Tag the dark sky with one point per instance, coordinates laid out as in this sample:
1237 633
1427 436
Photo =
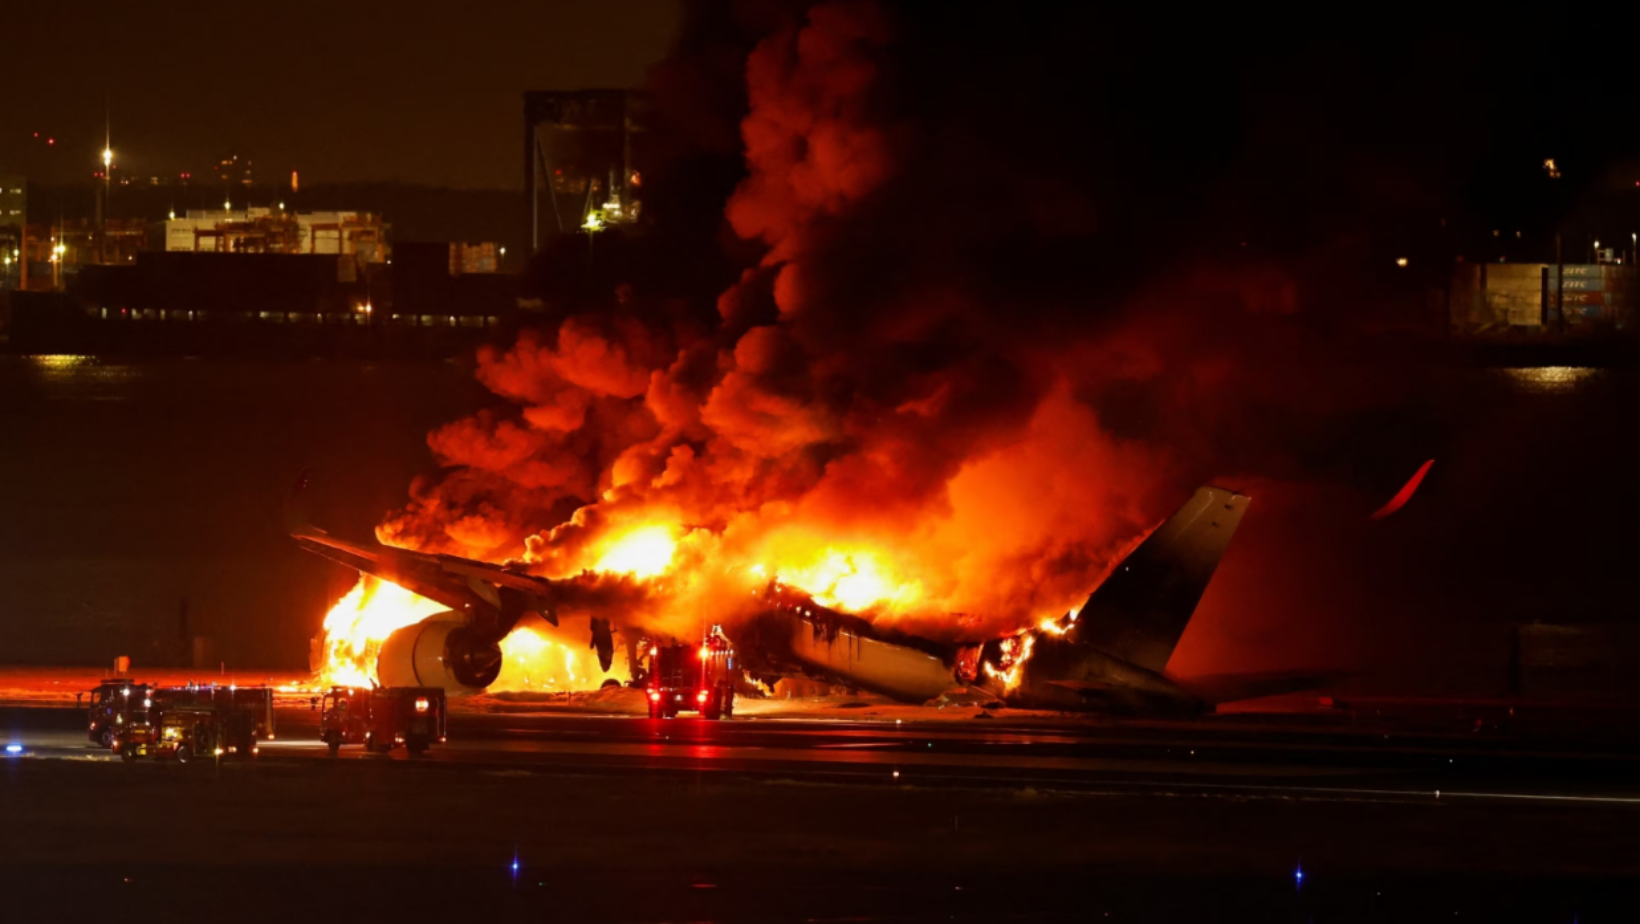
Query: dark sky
424 91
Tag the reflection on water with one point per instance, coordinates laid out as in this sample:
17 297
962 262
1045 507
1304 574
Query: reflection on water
1550 380
69 377
60 362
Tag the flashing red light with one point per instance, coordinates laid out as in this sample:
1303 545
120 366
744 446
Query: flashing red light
1405 494
701 696
51 141
421 705
654 694
704 652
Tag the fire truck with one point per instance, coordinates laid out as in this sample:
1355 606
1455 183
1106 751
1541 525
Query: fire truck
383 718
192 731
114 705
684 678
199 720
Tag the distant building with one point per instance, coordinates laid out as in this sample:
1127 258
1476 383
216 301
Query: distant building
13 216
466 259
234 169
359 234
13 201
583 159
1531 302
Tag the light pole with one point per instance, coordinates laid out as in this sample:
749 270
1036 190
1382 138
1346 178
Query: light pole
107 211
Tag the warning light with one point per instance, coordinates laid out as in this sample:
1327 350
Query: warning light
655 694
654 651
704 652
421 705
14 749
700 697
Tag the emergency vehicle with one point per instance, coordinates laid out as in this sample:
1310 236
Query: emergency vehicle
684 678
187 730
115 704
383 718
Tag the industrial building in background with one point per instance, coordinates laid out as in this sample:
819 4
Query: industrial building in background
584 156
13 215
1543 302
263 230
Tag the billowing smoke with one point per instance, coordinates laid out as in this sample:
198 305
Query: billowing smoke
948 390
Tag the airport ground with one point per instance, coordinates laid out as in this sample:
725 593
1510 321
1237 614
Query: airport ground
821 816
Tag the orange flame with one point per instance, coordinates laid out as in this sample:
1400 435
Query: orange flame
1015 652
360 622
534 658
644 552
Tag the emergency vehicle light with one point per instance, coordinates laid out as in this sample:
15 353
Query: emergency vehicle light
701 696
421 705
14 749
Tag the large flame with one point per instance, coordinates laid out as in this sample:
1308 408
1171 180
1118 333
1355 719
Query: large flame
853 581
535 658
644 552
360 622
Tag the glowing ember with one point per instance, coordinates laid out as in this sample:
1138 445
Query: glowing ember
1015 652
643 553
358 624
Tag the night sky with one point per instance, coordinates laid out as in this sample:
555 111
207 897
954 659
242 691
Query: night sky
421 91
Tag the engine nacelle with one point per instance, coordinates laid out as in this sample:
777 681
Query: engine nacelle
440 651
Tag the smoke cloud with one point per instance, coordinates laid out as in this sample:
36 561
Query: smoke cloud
946 382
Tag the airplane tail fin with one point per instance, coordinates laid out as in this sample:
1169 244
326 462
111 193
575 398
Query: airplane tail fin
1142 608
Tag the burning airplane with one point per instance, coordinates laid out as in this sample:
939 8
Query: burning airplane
445 621
894 453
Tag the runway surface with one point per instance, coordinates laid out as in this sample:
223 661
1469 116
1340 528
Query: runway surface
627 819
1234 758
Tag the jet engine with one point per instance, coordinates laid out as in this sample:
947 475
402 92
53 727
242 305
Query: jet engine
443 650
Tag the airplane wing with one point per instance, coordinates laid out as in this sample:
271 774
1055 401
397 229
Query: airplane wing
493 594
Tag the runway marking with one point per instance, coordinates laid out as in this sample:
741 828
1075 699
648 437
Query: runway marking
1433 795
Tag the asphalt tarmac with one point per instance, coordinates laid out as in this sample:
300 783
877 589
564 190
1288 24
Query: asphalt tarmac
1230 756
628 819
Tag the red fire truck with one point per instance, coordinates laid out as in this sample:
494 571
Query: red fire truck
383 718
115 704
684 678
198 721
